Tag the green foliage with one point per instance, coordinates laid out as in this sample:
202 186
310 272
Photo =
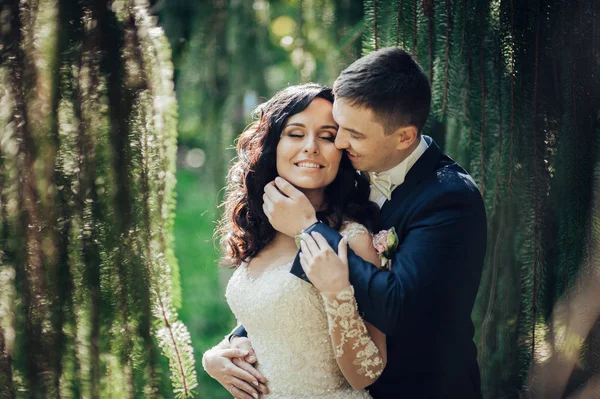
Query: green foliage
204 309
88 145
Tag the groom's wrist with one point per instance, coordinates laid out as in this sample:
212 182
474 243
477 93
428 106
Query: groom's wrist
310 226
298 237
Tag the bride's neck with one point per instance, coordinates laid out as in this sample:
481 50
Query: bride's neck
316 198
281 239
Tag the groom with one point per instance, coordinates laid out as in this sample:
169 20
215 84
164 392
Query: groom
424 302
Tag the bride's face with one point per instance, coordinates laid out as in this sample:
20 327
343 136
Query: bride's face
306 153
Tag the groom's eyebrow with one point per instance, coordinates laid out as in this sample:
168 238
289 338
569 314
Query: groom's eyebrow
352 130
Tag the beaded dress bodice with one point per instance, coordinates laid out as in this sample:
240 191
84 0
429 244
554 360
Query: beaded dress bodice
287 325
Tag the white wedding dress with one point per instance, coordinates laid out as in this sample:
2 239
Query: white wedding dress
287 324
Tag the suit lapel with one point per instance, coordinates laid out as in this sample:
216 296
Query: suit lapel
421 169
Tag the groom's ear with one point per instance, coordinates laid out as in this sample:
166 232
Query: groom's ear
407 136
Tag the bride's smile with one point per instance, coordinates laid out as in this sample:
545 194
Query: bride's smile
306 153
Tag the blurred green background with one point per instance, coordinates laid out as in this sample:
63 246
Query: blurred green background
204 309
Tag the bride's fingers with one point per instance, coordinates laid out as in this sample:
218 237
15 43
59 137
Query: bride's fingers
343 250
305 251
241 393
320 240
311 243
304 263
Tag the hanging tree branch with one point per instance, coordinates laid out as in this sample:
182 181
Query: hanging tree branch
375 25
482 77
447 55
427 6
535 181
399 22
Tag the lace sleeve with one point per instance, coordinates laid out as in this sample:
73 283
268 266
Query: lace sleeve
352 229
357 354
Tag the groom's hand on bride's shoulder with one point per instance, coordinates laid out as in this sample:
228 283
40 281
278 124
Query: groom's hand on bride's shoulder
287 208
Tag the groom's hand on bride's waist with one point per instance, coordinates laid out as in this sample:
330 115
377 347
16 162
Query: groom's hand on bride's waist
243 343
287 208
248 363
228 363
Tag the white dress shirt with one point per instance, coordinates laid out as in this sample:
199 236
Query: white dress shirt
397 174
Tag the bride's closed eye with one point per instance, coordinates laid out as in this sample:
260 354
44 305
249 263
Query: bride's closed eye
328 133
298 134
328 136
295 133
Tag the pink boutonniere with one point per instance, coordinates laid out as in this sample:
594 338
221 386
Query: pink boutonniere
385 243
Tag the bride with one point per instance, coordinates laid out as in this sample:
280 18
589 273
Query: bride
309 344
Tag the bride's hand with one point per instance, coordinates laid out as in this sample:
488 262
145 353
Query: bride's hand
325 269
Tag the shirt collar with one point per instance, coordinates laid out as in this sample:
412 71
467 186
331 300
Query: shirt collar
398 173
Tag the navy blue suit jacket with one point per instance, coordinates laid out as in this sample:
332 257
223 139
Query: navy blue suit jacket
424 303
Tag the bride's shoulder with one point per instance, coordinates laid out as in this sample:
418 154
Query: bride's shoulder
351 229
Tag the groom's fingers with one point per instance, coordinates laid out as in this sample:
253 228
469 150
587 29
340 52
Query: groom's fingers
243 380
267 208
266 199
250 369
243 343
274 193
287 189
242 390
234 352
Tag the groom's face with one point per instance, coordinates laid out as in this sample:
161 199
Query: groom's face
364 138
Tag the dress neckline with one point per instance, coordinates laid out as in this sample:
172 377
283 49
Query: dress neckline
244 265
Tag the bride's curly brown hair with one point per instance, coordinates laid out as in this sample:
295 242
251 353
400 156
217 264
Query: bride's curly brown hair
244 229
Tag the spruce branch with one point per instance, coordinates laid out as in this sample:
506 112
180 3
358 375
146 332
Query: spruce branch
535 183
427 6
399 23
23 78
464 26
156 167
512 98
483 90
375 38
7 274
416 18
447 56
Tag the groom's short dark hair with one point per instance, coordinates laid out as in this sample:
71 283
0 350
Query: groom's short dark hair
391 84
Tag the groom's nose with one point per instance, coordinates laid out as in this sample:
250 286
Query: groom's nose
341 142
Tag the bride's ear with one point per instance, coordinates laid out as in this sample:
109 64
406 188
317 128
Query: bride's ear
406 137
